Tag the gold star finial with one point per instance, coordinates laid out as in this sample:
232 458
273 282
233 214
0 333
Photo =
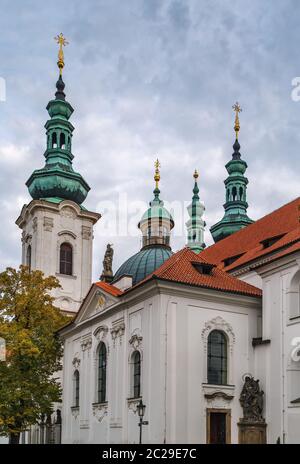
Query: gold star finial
157 173
196 175
236 107
61 40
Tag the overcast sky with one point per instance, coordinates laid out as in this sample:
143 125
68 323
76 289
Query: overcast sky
151 78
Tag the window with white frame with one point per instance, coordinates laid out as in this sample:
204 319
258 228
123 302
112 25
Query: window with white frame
76 381
102 365
217 358
136 374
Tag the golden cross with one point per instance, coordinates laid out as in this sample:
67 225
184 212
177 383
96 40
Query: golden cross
236 107
157 174
61 40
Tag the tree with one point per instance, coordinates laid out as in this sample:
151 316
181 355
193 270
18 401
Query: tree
28 324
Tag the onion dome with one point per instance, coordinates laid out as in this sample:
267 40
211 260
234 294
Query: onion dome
57 180
235 217
155 225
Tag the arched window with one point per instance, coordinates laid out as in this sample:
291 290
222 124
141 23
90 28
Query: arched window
136 371
293 293
241 193
66 259
28 257
102 362
62 141
234 194
217 358
76 389
227 194
54 140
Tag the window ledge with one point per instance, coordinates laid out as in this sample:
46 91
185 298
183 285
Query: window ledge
75 411
67 276
212 391
259 341
296 402
133 403
97 405
100 410
293 320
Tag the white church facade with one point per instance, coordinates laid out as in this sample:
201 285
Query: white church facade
207 339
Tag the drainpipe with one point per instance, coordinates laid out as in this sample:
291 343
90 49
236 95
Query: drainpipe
283 365
166 369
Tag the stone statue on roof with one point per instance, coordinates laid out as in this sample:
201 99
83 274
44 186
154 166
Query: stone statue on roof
107 273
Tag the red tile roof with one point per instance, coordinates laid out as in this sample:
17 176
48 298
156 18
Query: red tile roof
181 268
247 242
109 288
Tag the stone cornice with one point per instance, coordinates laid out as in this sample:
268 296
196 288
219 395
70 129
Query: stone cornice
157 287
55 208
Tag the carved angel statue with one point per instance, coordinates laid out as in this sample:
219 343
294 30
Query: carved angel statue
251 400
107 273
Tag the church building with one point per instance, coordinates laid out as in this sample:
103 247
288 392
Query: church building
200 345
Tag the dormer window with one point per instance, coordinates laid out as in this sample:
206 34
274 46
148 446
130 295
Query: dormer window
204 268
231 259
268 242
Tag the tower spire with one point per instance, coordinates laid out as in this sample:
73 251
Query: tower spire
57 180
235 217
236 107
62 42
195 225
156 191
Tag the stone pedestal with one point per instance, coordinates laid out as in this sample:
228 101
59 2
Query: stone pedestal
252 433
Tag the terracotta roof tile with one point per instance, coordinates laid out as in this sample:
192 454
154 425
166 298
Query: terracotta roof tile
282 223
181 268
109 288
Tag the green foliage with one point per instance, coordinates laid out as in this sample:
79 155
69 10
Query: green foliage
28 322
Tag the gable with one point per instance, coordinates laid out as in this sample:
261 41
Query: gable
96 301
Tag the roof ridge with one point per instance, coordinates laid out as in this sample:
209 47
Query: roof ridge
254 224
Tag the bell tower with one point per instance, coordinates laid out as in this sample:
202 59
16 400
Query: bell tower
57 231
235 217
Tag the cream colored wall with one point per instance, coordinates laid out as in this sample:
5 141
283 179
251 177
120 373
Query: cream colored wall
172 331
45 229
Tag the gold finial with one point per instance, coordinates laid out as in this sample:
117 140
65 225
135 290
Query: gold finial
196 174
61 40
236 107
157 173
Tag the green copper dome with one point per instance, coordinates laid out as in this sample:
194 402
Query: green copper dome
155 225
157 211
57 179
235 216
143 263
